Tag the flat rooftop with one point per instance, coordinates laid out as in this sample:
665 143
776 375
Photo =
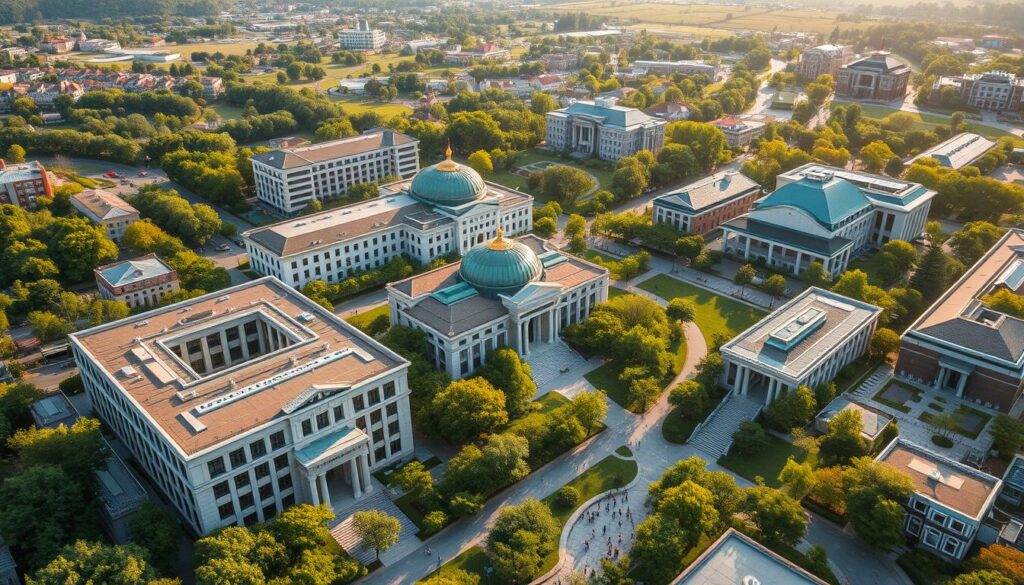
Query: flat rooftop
959 319
943 480
289 158
878 188
806 329
736 559
198 410
959 151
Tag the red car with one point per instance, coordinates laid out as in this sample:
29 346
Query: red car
110 175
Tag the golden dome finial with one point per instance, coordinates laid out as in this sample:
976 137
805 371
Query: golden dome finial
448 151
499 242
448 165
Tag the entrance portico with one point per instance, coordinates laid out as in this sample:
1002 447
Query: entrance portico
952 375
345 451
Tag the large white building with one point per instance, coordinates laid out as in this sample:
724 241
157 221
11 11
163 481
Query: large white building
287 179
361 38
241 403
445 208
828 215
603 129
805 342
504 292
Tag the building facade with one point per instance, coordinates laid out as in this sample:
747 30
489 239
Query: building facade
823 59
740 131
106 209
241 403
828 215
288 179
446 208
962 346
876 77
603 129
503 293
361 38
703 205
998 91
681 67
950 499
139 282
805 342
22 183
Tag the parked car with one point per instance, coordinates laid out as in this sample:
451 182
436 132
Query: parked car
110 175
223 248
240 243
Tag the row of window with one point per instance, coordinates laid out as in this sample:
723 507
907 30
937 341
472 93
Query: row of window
257 449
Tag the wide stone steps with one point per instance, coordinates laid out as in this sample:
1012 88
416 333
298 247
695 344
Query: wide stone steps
872 384
715 437
346 536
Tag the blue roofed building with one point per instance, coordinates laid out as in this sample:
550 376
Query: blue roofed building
505 292
827 215
737 559
142 281
603 129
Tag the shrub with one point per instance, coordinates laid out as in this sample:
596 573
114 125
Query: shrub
750 439
567 496
941 441
434 521
73 385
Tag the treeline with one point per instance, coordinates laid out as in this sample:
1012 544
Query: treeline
15 11
148 102
308 108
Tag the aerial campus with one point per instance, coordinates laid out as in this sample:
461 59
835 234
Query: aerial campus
479 293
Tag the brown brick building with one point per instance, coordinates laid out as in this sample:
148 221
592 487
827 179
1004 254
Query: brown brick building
961 346
22 183
703 205
877 77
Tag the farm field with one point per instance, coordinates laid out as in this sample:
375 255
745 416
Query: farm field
708 16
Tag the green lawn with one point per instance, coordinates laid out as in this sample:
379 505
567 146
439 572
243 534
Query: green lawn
766 464
227 111
608 261
359 104
898 406
614 291
929 121
963 411
606 376
610 473
715 314
677 429
364 319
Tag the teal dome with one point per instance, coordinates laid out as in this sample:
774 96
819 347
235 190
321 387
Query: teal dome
500 266
828 199
448 183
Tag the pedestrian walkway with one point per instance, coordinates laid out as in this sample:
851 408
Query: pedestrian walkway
715 436
606 529
344 533
880 377
556 365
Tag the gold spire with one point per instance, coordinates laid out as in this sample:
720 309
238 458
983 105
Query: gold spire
499 242
447 165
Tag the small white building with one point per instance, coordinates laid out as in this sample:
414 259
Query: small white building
959 151
503 293
287 179
950 500
737 559
105 208
142 281
805 342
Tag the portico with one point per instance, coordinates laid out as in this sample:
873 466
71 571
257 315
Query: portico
952 375
345 452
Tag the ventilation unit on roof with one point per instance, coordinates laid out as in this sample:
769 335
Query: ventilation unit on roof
935 475
306 317
223 298
142 323
300 224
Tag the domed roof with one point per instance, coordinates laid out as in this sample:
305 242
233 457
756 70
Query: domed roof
500 266
448 183
828 199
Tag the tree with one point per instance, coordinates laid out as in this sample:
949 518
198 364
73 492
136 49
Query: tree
42 510
690 399
85 563
414 479
377 529
507 372
48 327
541 103
565 183
1005 560
77 247
797 478
749 439
643 392
630 178
680 309
575 226
794 409
156 530
80 450
466 408
545 227
480 161
659 549
237 555
896 258
313 206
302 528
933 276
875 155
690 246
884 343
452 577
1007 435
501 461
828 489
815 275
843 441
521 537
589 408
744 276
874 495
15 154
981 577
778 518
774 285
974 240
692 507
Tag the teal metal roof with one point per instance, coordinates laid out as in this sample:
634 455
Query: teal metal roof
500 266
828 201
551 258
448 183
454 293
615 115
339 439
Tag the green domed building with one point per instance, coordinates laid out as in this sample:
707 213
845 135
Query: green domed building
448 183
500 266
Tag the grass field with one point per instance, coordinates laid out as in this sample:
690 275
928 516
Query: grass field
715 314
767 464
606 376
360 104
929 121
696 18
364 319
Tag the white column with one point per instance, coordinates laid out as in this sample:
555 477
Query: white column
799 259
551 326
224 348
367 484
526 338
961 385
746 250
357 490
323 488
314 496
206 353
746 380
771 252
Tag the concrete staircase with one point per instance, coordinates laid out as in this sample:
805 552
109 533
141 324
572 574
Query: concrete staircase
346 536
547 360
872 384
715 436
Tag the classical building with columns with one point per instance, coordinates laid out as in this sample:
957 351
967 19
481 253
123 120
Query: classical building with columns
241 403
514 293
446 208
603 129
802 343
828 215
964 347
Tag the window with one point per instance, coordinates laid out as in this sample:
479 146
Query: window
284 482
930 537
323 420
957 526
914 525
396 446
378 435
358 403
375 417
374 396
216 467
262 470
920 506
380 454
251 519
339 413
269 512
307 427
938 517
281 462
391 409
237 458
277 440
257 449
226 510
288 501
951 546
221 489
241 480
267 491
246 500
